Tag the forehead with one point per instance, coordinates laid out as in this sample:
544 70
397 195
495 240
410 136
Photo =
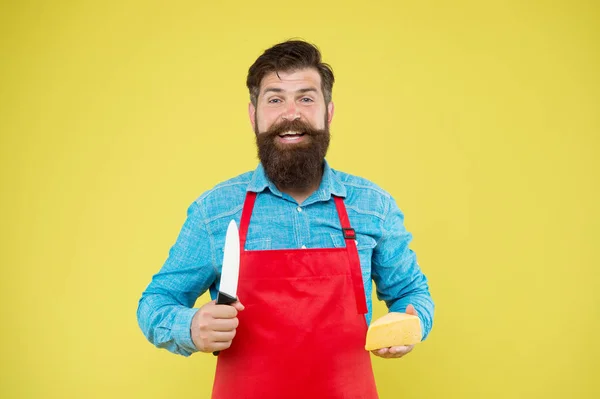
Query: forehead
292 80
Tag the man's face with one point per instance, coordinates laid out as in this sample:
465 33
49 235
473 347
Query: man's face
291 122
295 95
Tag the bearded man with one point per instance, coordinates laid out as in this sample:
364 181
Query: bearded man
312 241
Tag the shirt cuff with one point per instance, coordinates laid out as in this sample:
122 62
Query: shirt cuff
180 329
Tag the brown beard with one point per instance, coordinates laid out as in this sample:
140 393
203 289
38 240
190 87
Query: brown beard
293 166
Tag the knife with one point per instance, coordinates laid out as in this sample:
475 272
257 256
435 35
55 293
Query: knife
231 268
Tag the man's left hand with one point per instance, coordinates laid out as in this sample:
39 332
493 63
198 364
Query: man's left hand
396 351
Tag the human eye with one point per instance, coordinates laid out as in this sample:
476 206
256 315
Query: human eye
274 100
306 100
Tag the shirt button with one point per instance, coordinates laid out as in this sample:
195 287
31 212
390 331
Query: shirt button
299 209
304 247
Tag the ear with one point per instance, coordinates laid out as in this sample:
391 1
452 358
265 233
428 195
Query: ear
330 109
251 114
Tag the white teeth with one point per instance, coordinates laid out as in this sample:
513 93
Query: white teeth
289 133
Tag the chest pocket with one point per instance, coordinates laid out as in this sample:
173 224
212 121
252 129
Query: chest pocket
259 244
363 242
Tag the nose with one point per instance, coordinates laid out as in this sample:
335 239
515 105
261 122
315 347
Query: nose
291 112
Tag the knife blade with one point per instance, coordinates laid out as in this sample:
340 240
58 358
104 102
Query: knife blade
231 268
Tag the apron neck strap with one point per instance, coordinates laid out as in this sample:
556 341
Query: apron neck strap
352 251
349 233
246 214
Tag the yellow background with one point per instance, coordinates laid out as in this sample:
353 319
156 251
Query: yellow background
481 118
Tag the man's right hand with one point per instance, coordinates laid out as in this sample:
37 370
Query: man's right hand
213 326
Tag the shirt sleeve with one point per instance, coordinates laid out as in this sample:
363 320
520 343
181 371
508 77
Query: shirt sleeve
396 273
165 310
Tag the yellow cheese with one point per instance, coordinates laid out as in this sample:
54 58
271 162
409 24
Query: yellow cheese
393 329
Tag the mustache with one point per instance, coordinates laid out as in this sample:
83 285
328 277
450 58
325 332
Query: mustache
292 126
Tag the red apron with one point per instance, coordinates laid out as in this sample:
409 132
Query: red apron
302 333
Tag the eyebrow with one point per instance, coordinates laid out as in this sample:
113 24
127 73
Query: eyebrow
278 90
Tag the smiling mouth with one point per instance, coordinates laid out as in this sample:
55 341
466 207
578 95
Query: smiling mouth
291 136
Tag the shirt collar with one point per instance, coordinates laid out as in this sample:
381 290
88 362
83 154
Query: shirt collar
330 184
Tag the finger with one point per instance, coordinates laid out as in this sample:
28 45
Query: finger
238 305
392 352
380 352
223 336
410 309
398 349
219 346
224 324
224 312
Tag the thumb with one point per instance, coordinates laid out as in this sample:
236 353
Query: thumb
410 309
238 305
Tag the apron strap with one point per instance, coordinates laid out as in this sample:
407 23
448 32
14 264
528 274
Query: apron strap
246 214
354 260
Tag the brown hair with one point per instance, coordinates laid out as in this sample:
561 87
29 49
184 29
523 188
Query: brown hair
289 56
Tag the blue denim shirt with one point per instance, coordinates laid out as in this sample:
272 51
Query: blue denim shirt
194 263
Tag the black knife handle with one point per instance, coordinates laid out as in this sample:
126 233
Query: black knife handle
224 299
